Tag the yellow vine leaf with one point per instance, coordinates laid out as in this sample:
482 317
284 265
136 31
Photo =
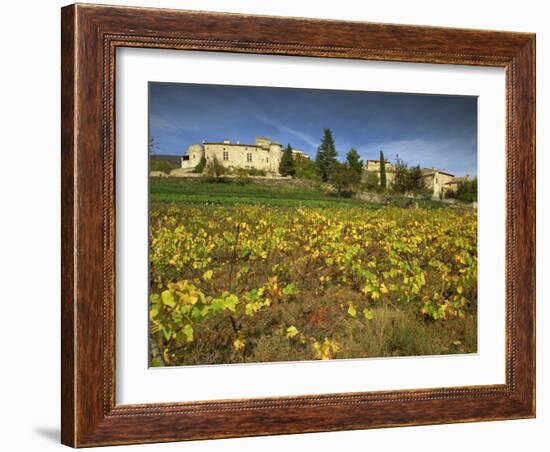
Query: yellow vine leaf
239 344
368 314
168 298
188 331
291 331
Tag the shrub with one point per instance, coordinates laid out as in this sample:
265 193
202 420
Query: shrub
215 169
371 182
344 178
450 194
160 165
467 190
200 166
256 172
306 169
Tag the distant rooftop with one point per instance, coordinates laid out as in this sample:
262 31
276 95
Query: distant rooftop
428 171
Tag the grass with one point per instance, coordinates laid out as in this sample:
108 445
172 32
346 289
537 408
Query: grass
284 193
392 332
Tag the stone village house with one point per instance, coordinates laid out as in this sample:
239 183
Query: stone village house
437 181
264 155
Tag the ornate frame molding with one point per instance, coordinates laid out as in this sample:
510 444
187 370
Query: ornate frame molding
90 37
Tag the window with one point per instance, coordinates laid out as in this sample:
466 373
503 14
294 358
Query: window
225 155
249 157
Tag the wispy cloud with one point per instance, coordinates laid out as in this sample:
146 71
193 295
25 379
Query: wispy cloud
306 138
172 125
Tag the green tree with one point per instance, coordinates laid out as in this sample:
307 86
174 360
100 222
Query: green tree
343 177
326 154
354 160
416 180
383 181
287 166
467 190
401 179
201 165
306 168
408 179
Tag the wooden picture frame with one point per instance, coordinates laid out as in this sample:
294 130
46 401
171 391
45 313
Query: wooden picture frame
90 36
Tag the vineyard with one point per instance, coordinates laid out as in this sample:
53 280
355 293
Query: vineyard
234 283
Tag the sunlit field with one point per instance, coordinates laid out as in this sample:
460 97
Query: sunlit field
259 274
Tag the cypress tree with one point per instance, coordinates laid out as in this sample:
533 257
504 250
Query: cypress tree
326 154
382 172
287 165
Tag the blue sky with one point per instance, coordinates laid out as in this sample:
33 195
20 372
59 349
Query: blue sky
428 130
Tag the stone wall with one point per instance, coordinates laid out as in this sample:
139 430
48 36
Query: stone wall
263 156
194 154
184 172
374 165
158 174
435 182
390 176
239 156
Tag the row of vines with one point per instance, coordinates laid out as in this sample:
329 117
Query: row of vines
250 283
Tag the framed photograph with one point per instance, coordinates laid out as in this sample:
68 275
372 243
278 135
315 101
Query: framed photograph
281 225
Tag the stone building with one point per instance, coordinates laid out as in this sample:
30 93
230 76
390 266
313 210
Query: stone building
437 181
453 184
373 166
298 153
264 155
